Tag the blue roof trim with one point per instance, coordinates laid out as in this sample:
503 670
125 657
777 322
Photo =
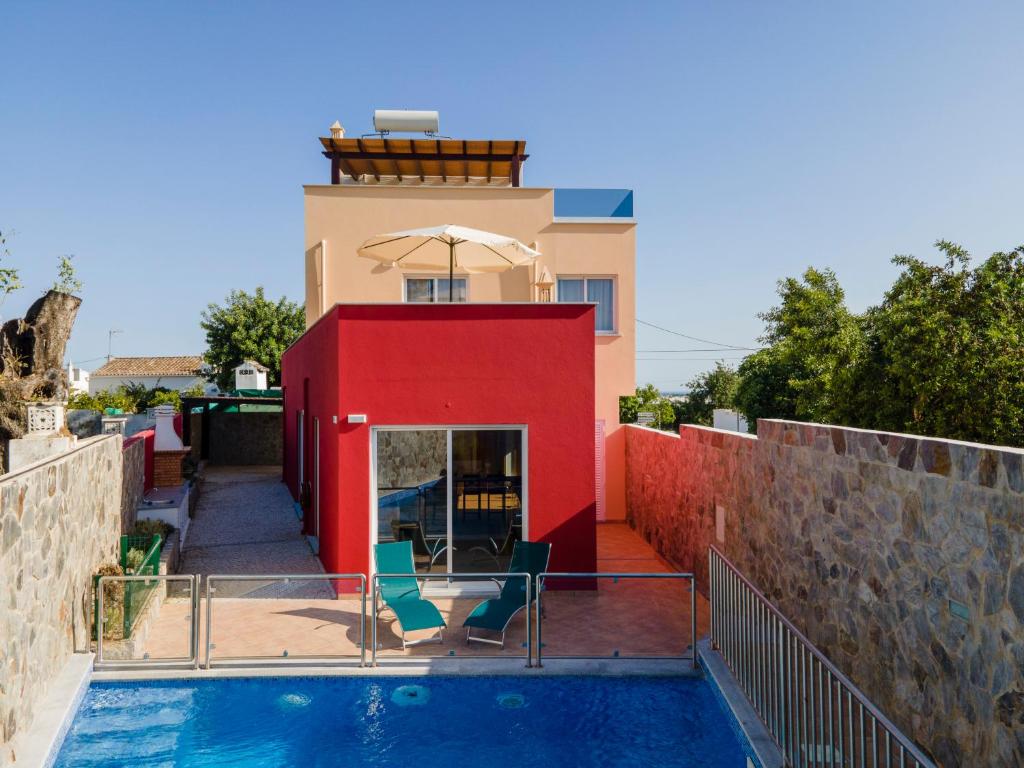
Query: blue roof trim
594 203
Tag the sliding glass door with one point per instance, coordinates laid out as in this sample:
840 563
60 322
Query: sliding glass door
457 493
487 507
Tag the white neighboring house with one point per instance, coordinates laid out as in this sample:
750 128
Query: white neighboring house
78 379
251 375
179 373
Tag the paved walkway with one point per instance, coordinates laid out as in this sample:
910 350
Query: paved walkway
245 523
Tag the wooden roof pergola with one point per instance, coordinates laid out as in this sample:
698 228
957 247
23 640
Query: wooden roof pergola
426 161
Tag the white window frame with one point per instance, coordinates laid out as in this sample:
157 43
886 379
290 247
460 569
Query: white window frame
615 297
437 295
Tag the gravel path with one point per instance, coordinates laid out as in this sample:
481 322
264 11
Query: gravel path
245 523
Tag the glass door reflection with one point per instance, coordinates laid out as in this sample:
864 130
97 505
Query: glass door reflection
487 513
412 494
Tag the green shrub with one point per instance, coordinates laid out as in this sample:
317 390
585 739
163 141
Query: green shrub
83 401
149 527
132 398
134 560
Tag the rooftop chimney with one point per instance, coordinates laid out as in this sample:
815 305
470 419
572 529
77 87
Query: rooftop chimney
337 131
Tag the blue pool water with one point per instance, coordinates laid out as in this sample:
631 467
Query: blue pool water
411 722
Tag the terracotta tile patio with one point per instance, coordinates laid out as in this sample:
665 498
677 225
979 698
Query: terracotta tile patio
628 618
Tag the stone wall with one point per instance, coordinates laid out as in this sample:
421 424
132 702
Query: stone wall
246 438
133 481
875 545
407 458
60 520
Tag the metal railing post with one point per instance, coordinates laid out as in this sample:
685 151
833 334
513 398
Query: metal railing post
101 619
693 620
362 620
529 629
209 620
540 619
373 625
196 603
712 596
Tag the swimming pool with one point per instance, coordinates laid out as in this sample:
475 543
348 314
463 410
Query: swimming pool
412 722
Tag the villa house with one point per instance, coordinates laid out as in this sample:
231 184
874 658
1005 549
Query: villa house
408 416
180 373
445 425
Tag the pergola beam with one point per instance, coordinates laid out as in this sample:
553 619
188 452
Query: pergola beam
394 161
362 152
371 156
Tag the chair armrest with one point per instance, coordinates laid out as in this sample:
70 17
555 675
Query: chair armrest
437 554
432 543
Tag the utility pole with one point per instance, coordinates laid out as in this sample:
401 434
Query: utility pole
110 341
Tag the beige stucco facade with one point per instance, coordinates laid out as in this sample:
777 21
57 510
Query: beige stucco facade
339 218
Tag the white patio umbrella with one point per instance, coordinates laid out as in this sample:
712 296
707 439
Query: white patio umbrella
469 250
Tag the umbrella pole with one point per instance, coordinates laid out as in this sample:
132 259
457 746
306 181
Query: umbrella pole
451 270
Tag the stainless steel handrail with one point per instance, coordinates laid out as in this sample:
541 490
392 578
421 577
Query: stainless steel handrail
681 576
192 660
285 577
496 577
803 698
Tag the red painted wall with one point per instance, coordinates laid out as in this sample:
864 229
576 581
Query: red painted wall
441 364
309 378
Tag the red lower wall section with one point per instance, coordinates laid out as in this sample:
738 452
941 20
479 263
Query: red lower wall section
446 365
149 436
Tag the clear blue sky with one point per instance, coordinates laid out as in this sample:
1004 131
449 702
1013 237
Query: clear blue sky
165 144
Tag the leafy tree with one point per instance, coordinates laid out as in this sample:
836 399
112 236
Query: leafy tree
950 348
67 281
818 340
9 279
250 327
764 391
709 390
647 398
814 346
943 354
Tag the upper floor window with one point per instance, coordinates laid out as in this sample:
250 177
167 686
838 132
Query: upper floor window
431 290
597 289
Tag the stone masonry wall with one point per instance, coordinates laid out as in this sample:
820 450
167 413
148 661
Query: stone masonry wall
60 520
132 482
872 544
246 439
407 458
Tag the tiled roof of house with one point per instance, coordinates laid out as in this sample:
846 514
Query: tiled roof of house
188 365
252 364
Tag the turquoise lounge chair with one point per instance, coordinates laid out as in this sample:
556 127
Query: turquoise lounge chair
496 613
401 594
